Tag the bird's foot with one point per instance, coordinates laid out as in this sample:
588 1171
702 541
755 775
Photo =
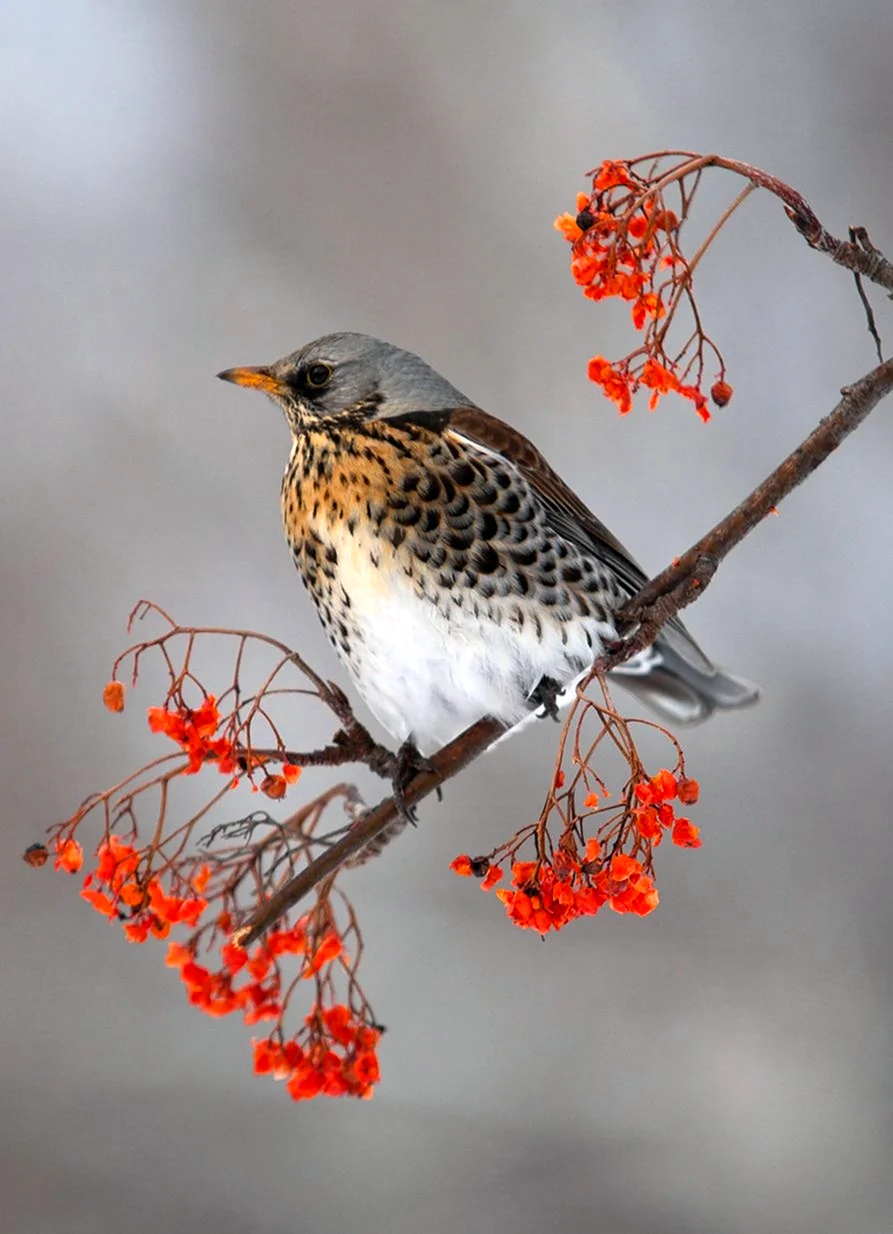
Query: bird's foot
546 695
408 763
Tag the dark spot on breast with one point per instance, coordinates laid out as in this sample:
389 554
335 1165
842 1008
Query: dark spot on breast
408 517
458 539
430 520
488 526
462 472
429 487
410 482
523 556
485 559
375 513
571 574
458 506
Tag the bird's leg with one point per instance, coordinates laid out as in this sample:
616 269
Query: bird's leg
546 695
408 763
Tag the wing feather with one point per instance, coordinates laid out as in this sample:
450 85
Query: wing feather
568 516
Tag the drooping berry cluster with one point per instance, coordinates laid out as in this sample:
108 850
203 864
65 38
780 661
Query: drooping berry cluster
625 243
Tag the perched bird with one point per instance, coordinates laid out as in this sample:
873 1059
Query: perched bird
455 573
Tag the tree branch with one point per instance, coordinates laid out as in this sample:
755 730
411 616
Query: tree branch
854 254
447 762
685 579
657 603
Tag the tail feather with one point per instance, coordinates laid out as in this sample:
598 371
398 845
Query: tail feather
679 690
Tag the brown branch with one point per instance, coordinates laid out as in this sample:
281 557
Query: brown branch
852 254
657 603
351 744
858 235
446 763
869 262
683 581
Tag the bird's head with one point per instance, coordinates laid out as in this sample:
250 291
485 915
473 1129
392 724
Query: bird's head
349 377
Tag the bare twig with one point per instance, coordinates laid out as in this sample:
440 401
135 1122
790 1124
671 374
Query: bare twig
446 762
867 261
683 581
858 235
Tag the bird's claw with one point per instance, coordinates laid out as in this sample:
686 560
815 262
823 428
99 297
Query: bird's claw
546 695
408 763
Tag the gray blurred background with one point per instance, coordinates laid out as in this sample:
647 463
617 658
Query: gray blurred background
188 186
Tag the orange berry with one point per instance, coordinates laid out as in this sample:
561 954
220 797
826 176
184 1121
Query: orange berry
721 393
491 878
689 791
113 696
36 855
686 834
274 787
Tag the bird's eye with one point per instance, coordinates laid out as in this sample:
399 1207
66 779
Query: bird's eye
318 375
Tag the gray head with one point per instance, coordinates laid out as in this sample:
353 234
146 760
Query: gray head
352 376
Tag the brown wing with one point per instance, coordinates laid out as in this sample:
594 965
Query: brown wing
566 513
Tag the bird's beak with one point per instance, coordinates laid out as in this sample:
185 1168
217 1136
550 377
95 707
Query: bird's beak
254 378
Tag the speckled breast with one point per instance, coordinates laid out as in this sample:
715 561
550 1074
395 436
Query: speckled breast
391 501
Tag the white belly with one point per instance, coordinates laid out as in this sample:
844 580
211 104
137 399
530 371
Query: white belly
429 677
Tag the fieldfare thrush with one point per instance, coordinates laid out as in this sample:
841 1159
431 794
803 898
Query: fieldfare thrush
455 573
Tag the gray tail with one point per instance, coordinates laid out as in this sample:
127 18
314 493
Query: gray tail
677 681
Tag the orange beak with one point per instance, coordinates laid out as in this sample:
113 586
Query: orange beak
254 378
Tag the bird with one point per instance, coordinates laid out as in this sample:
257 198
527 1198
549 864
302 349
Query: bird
455 573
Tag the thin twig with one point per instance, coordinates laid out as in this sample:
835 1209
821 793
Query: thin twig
446 763
683 581
858 235
871 263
